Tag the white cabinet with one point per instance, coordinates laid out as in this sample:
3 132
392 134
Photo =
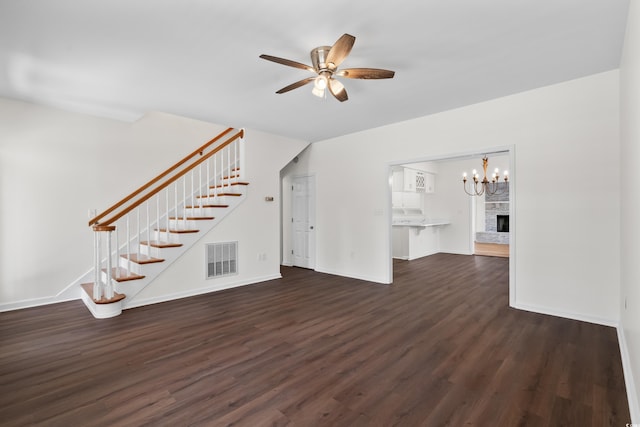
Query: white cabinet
413 181
429 183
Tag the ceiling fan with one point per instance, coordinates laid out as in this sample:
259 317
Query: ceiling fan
325 61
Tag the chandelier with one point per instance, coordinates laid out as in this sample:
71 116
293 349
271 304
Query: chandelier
485 186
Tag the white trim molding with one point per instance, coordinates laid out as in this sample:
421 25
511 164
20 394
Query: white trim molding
632 393
567 315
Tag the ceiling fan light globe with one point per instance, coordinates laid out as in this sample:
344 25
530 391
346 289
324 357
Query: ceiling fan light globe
320 83
318 92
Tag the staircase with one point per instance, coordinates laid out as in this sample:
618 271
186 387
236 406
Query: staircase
141 235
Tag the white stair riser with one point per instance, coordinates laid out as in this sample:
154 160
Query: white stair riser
215 200
214 212
181 224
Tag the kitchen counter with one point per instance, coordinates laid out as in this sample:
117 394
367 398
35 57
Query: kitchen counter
419 223
415 238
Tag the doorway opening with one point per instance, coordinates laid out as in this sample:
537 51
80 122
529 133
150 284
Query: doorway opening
446 219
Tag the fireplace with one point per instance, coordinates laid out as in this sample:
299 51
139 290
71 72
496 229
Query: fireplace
502 223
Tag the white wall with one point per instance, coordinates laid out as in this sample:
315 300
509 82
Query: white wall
559 133
630 211
56 165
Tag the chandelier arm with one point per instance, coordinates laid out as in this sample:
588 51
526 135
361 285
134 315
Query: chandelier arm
478 190
464 185
491 189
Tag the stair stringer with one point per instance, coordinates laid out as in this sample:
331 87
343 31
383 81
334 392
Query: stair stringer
169 255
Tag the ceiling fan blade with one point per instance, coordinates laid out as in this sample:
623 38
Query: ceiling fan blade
288 62
340 49
366 73
296 85
337 89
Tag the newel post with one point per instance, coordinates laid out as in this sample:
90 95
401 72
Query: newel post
102 289
241 175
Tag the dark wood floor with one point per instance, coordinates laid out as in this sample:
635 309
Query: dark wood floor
438 347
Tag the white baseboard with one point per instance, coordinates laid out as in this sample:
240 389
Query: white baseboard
358 277
35 302
632 393
567 315
194 292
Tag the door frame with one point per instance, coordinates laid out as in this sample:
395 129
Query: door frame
508 150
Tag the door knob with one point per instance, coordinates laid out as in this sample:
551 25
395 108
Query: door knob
311 228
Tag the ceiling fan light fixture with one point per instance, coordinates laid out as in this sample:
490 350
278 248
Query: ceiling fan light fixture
320 82
318 92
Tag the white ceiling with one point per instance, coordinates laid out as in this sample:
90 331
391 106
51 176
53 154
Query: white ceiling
199 58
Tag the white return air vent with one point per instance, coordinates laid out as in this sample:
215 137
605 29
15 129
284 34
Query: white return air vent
222 259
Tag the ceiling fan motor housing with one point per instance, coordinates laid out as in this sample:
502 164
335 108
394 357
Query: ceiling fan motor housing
319 59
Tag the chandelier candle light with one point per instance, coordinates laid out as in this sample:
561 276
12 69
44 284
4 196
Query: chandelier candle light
485 186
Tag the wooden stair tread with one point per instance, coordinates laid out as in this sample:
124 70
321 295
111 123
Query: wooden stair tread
142 258
207 206
192 218
160 244
176 231
218 195
226 185
125 274
88 288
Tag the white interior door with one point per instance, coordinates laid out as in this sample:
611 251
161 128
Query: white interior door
303 221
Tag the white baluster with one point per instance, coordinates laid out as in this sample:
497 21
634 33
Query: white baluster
108 290
128 249
148 229
215 176
192 193
138 231
242 165
166 203
175 203
229 168
208 183
158 216
184 194
199 186
117 254
97 280
235 160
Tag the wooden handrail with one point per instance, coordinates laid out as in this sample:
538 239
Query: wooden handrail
152 192
158 178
